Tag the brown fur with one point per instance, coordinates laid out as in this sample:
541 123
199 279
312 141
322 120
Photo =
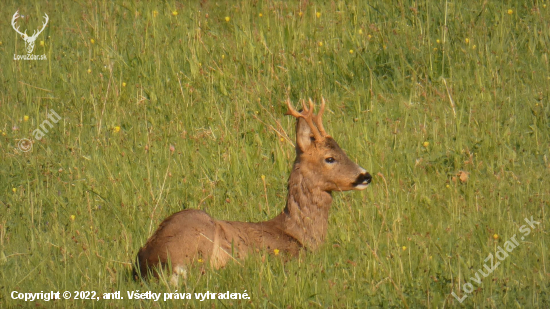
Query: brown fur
190 235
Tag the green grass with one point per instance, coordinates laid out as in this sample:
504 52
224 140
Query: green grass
419 94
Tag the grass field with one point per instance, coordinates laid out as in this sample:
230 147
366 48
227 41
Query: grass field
170 106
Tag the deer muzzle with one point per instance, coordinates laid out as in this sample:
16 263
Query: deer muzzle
362 180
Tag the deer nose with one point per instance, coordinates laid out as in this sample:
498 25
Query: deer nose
362 180
366 178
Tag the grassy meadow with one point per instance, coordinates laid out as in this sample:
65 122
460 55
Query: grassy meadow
167 106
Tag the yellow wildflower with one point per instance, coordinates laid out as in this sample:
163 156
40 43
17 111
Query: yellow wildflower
117 129
227 18
510 12
25 118
276 251
174 13
318 14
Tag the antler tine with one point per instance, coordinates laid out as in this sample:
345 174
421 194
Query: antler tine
34 35
13 19
306 109
307 115
15 16
318 118
46 22
311 105
291 111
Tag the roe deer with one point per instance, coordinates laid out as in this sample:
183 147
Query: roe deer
321 167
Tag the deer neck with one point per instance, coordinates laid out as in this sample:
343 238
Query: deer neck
305 216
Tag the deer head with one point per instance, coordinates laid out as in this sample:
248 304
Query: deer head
320 158
29 40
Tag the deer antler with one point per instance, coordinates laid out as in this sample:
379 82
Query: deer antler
317 128
318 118
16 16
34 34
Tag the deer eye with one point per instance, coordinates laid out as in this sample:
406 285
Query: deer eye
330 160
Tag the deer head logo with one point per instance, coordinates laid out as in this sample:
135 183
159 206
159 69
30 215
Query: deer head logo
29 40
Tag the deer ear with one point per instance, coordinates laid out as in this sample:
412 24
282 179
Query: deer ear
303 135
